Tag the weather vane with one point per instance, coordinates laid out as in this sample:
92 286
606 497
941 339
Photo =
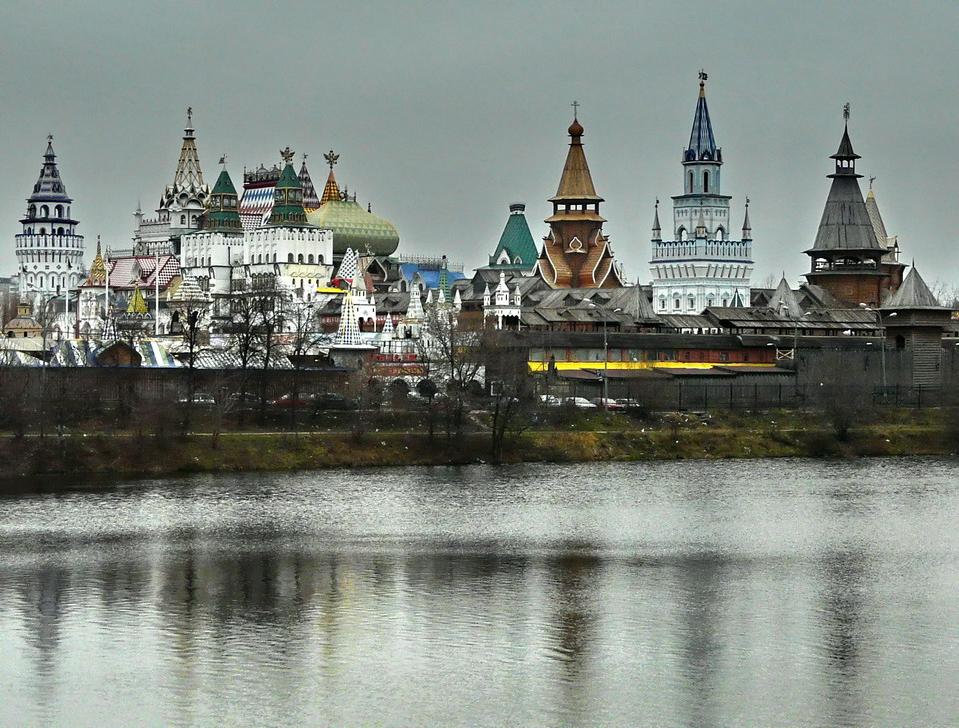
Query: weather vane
189 116
223 160
575 106
702 74
287 154
331 158
871 180
845 111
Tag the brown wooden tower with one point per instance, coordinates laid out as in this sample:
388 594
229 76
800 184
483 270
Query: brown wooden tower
576 254
847 259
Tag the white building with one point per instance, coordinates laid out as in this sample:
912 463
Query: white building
49 250
701 266
181 205
287 253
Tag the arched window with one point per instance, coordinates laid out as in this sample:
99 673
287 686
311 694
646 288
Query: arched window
676 303
299 258
692 302
289 258
681 233
310 258
319 259
690 190
43 231
662 303
193 220
40 282
706 182
44 211
183 219
709 301
60 231
32 211
720 233
59 210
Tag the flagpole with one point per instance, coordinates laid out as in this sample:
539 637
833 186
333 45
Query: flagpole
156 296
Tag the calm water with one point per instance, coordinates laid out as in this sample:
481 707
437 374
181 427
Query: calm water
775 593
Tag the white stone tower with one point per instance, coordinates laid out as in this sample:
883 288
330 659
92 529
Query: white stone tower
701 266
49 250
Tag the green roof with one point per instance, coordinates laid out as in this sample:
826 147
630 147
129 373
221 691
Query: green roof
224 185
289 178
516 241
354 227
223 214
288 199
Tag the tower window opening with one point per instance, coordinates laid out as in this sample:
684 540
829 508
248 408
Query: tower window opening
183 219
690 190
706 182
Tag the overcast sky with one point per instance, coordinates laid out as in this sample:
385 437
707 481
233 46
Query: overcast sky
444 113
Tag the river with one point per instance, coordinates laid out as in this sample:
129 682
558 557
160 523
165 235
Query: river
694 593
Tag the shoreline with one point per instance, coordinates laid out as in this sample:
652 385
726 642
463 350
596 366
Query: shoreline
127 456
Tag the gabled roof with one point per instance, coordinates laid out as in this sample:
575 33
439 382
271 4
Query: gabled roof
913 293
576 183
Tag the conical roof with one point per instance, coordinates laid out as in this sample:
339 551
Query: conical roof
747 226
657 230
188 175
137 303
913 293
878 226
310 200
785 301
516 246
331 191
576 183
98 271
224 184
222 209
49 186
348 332
288 197
845 223
845 151
702 144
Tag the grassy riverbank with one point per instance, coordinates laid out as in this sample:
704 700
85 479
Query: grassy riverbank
598 437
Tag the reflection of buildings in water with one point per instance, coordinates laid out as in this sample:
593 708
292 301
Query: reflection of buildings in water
844 576
701 581
574 575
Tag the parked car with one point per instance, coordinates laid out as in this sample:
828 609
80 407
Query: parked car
244 401
333 401
200 399
287 401
580 402
550 401
608 404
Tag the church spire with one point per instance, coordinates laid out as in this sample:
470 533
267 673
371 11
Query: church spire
188 174
288 195
747 227
331 191
222 213
576 183
702 143
657 230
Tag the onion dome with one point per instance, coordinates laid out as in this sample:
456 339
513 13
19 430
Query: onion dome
356 228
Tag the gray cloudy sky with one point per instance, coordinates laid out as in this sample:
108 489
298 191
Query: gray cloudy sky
446 112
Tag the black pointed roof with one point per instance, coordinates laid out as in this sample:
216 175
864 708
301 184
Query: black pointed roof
702 143
49 186
845 224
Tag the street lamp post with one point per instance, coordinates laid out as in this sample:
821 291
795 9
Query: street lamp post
882 335
605 312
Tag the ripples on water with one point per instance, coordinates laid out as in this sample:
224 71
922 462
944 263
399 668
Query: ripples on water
786 592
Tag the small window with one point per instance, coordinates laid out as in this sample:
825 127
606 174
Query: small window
289 258
183 219
706 182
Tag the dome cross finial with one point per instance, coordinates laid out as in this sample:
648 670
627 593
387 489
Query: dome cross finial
575 106
845 111
331 158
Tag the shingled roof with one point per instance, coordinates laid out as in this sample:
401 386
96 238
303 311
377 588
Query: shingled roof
913 293
576 183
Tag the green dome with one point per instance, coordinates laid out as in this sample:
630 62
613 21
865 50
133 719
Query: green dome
354 227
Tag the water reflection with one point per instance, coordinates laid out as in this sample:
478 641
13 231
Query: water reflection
416 598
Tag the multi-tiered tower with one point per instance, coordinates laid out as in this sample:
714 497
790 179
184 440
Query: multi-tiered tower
181 205
701 266
49 251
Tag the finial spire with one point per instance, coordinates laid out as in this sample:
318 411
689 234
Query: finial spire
189 117
331 158
223 161
575 106
871 180
287 154
845 111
